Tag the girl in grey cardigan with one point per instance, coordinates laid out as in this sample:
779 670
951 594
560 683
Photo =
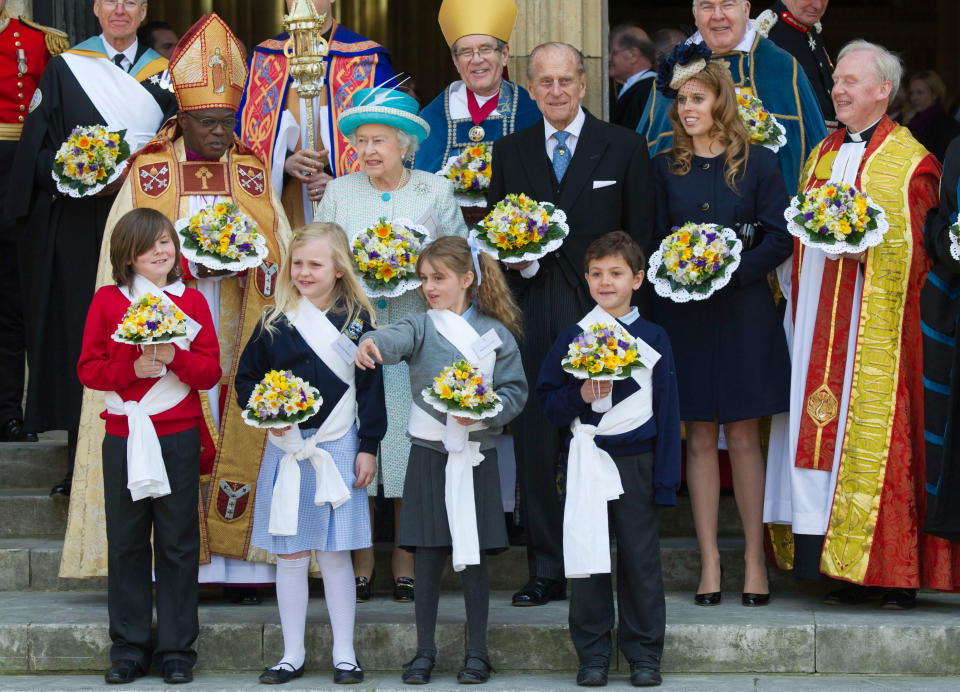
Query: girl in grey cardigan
470 306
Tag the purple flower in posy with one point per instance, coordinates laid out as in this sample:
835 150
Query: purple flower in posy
374 254
152 325
808 216
711 237
233 238
393 262
823 230
699 263
245 247
852 192
837 203
623 344
480 390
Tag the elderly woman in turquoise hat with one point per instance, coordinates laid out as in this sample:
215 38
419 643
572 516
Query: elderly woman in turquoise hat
385 129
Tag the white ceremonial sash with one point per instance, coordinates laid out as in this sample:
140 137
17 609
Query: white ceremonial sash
146 472
320 334
462 454
123 102
592 476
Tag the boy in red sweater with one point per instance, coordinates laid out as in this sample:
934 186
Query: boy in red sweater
151 449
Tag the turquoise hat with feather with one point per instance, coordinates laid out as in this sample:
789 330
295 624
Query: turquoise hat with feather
384 106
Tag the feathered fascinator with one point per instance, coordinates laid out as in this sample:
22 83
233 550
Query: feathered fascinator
686 60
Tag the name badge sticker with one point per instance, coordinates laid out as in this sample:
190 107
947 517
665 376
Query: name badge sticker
487 343
345 348
647 354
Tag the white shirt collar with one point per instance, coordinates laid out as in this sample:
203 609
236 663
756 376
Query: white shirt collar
631 316
633 79
130 53
573 128
746 43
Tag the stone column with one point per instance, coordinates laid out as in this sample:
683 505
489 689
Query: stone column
581 23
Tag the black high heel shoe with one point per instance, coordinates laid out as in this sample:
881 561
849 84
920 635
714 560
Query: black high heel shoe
754 599
712 598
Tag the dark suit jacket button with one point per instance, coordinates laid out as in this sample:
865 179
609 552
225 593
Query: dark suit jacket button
705 166
705 206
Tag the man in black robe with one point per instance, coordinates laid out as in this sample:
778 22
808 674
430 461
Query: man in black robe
109 80
794 25
631 64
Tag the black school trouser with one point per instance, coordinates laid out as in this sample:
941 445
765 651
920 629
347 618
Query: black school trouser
550 304
639 579
176 554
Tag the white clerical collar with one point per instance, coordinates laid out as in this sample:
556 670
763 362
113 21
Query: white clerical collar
631 316
130 53
573 128
460 92
858 136
633 79
746 43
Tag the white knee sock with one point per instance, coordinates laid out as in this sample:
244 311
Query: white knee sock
340 592
292 596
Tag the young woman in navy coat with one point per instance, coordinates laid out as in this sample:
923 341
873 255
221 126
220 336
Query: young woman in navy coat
731 354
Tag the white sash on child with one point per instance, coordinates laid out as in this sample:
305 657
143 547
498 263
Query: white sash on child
146 473
462 454
320 334
592 476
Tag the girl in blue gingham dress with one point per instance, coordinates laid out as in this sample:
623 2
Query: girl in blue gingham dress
312 331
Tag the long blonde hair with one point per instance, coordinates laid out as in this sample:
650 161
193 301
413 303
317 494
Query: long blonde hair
493 295
728 129
349 296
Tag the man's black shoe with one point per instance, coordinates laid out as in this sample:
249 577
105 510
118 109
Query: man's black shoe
62 488
643 675
851 594
122 672
899 599
12 431
177 671
593 674
539 591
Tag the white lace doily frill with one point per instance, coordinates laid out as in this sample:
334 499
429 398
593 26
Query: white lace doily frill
683 295
234 265
65 189
440 405
870 238
955 241
781 138
557 216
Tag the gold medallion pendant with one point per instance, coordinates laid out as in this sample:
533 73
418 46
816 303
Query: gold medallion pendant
476 133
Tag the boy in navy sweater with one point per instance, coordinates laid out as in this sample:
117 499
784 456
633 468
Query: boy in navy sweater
639 441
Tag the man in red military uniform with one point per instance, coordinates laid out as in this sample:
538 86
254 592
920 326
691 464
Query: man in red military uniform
25 50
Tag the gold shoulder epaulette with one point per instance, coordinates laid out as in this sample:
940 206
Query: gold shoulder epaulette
57 41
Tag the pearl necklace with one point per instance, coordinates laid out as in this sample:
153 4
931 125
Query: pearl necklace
404 176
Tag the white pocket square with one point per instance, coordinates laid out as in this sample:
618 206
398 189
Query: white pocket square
597 184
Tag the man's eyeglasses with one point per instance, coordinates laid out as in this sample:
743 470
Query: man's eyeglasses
482 51
210 124
128 5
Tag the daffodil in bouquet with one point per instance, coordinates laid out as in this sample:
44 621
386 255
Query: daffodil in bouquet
281 399
462 389
520 229
221 237
837 219
605 351
386 256
694 261
470 171
760 123
151 320
90 159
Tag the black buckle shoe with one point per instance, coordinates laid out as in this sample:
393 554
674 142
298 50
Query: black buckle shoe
12 431
177 672
122 672
419 669
347 676
403 589
594 674
475 670
642 674
364 587
899 599
540 591
281 673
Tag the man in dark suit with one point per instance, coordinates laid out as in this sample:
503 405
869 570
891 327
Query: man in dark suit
631 63
600 175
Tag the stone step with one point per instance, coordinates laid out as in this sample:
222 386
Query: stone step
320 681
32 512
32 564
32 464
797 634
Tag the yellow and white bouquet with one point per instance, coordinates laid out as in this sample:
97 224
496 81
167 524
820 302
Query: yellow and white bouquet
151 320
520 229
604 352
837 219
222 238
470 172
760 123
386 257
281 399
90 159
694 261
463 390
